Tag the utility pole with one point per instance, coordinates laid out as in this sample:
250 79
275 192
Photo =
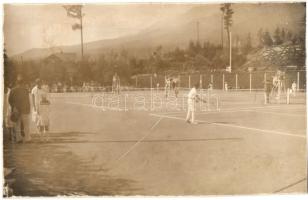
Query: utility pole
198 32
222 32
230 52
81 32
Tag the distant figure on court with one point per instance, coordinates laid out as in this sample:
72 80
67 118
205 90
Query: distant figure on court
167 87
267 91
193 97
175 88
276 86
210 87
19 101
116 84
226 86
293 88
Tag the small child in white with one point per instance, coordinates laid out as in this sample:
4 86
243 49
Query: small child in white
43 117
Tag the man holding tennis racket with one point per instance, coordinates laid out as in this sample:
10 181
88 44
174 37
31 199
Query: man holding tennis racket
193 97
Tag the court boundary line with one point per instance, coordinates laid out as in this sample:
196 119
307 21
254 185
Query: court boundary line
243 110
263 131
140 140
222 111
284 114
290 185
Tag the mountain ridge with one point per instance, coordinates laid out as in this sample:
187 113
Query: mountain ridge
178 31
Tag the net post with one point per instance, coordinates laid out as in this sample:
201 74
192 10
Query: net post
200 81
151 81
288 96
223 81
297 88
208 99
250 82
236 81
265 88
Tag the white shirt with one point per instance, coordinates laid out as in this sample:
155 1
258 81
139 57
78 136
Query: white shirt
37 93
192 94
293 85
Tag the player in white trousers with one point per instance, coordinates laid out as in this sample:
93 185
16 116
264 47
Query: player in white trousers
191 101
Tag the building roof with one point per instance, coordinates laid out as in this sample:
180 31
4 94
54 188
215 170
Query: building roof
65 57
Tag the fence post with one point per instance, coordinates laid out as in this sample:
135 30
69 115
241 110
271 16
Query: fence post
236 81
250 81
151 83
297 88
223 81
200 81
188 81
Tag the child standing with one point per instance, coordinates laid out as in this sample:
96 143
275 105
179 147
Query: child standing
43 117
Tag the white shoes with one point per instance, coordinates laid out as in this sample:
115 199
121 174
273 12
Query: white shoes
190 122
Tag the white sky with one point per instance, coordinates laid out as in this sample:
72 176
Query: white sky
40 26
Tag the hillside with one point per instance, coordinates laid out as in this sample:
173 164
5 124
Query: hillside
178 31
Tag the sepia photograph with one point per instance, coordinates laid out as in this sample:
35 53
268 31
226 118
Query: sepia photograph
154 99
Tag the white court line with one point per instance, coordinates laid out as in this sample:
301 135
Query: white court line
223 111
277 113
133 146
263 131
104 108
250 110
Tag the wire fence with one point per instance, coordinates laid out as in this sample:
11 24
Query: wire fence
219 80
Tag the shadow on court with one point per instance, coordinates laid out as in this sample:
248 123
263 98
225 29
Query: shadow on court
50 169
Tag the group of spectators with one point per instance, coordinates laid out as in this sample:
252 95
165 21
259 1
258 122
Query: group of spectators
19 103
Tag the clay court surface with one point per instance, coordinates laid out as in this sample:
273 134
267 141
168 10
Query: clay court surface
245 147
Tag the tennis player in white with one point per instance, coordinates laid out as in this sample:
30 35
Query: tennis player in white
193 97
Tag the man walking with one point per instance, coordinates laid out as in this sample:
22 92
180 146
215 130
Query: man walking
20 103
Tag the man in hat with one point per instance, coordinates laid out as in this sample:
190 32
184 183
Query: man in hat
19 101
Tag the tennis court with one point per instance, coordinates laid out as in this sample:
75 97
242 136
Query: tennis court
239 146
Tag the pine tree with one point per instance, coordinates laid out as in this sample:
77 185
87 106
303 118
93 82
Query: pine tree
260 38
268 41
283 35
277 37
228 20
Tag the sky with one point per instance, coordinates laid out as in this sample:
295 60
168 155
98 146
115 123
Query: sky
28 26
